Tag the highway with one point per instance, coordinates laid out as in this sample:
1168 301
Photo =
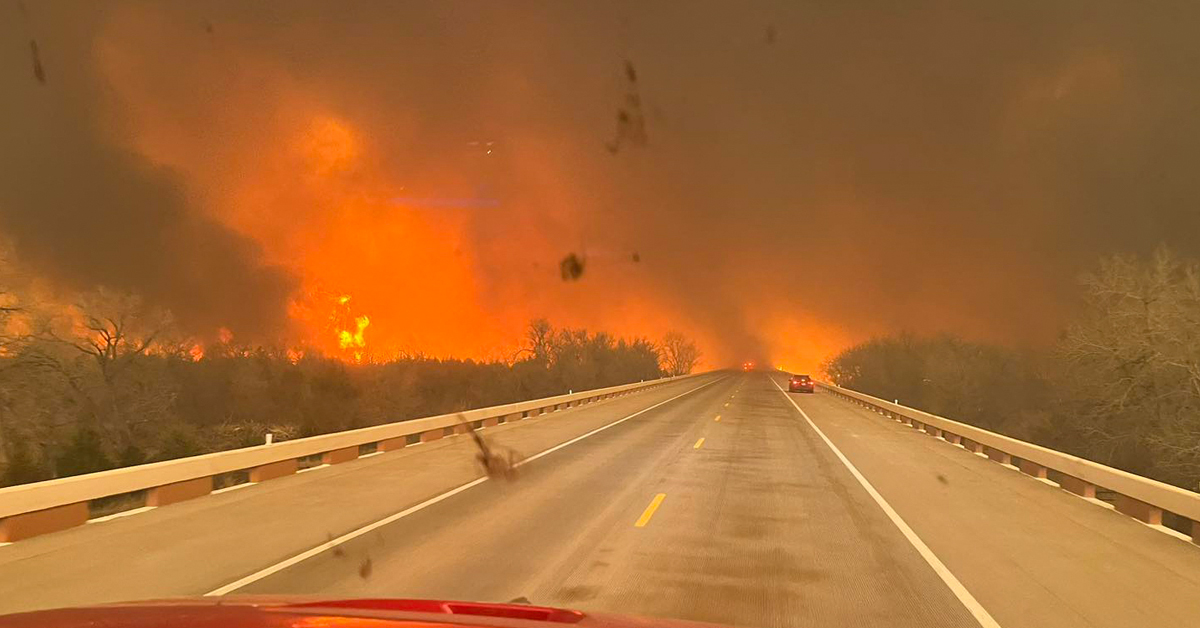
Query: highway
720 499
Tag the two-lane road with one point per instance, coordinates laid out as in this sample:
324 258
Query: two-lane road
757 525
720 498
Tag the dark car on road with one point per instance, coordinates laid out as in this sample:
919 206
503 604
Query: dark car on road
800 383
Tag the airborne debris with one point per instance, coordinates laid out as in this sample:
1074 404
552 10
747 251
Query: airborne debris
38 71
631 123
364 570
208 28
571 267
770 34
636 258
941 478
497 463
338 552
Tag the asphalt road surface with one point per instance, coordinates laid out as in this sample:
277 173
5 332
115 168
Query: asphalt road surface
790 510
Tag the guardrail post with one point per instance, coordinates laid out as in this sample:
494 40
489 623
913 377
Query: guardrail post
338 456
179 491
953 439
273 470
998 456
933 431
972 446
1030 468
392 444
430 435
491 421
1078 486
29 524
1139 510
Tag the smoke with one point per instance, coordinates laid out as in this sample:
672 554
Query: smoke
85 209
863 168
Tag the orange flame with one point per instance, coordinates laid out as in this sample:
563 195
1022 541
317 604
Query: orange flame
354 340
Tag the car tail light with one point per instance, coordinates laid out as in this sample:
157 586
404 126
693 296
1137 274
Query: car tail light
478 609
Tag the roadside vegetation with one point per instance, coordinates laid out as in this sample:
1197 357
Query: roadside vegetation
1121 386
117 386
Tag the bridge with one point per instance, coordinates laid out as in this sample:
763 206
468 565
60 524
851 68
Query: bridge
715 497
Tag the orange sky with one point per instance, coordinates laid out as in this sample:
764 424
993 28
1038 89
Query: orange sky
838 180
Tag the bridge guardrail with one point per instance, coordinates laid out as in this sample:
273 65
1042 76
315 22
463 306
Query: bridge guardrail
31 509
1139 497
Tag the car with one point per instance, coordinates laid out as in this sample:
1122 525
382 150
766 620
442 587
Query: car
800 383
748 366
296 612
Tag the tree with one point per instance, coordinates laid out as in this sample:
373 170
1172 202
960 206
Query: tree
1131 366
679 355
125 395
539 338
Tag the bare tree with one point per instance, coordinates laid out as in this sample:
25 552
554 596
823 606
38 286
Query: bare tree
1132 366
678 354
539 339
113 332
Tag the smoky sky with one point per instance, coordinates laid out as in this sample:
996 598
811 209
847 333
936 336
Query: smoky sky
84 209
861 166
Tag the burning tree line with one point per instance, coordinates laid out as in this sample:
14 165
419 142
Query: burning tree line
1121 386
118 385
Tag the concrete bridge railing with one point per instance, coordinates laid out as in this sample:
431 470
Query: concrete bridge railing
32 509
1136 496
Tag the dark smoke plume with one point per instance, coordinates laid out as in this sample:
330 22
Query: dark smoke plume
85 210
871 167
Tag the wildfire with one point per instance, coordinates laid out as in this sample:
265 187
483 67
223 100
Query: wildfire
354 340
349 328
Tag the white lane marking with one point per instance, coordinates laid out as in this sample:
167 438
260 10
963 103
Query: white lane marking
233 487
973 606
314 468
373 453
305 555
123 513
617 422
1165 530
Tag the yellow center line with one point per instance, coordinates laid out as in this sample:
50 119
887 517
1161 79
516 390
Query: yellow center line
698 443
649 512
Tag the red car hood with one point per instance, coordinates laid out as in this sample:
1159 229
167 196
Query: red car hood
311 612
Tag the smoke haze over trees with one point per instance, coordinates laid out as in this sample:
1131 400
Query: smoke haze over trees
1121 387
120 389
